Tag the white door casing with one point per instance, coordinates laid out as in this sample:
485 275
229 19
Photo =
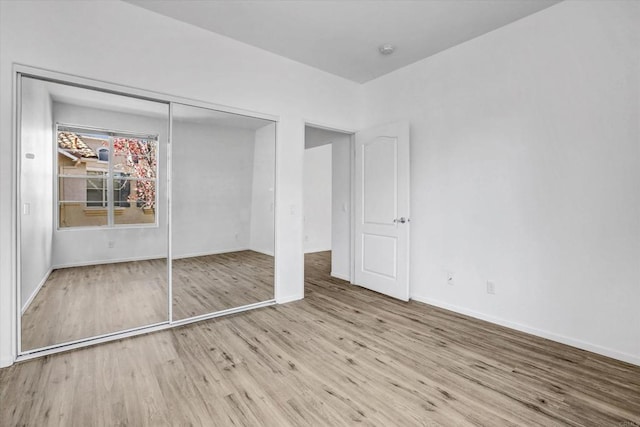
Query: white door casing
382 209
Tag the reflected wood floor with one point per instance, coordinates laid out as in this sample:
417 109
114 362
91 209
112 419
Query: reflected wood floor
81 302
210 283
341 356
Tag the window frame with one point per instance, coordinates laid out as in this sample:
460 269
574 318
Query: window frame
111 207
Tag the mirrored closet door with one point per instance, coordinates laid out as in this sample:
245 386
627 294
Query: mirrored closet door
93 233
136 213
222 210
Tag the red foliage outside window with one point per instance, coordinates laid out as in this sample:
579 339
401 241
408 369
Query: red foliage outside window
140 163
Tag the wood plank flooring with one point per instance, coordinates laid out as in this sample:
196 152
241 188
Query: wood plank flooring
341 356
82 302
206 284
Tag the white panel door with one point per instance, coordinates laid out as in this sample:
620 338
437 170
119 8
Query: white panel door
382 210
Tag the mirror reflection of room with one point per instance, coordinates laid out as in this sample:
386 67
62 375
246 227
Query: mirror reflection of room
223 179
93 233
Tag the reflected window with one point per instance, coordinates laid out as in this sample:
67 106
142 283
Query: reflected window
103 154
105 179
96 189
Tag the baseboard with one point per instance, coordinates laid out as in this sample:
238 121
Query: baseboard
197 254
147 258
269 253
289 298
341 276
6 362
108 261
313 251
36 290
594 348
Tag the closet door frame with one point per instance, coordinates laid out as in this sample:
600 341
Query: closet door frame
20 71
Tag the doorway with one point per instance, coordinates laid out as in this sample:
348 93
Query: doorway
327 204
369 243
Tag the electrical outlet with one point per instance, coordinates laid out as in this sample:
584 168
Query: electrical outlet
111 244
449 278
491 287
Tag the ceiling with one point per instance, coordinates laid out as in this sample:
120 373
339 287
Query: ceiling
90 98
189 114
342 36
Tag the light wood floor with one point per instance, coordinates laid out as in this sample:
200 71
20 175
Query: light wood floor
341 356
81 302
206 284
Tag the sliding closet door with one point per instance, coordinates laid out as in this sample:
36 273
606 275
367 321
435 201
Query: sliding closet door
93 213
222 210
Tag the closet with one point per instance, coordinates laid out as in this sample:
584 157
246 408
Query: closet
136 212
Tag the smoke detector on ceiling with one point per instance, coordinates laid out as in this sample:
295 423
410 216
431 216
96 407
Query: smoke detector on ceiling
386 49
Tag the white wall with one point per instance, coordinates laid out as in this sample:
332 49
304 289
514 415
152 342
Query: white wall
36 182
262 237
176 58
213 169
525 170
211 188
92 246
317 199
341 208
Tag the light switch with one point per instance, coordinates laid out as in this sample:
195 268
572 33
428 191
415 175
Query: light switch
26 209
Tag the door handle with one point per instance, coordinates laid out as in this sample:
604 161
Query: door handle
401 220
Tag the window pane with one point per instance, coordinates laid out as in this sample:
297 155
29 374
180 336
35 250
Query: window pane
84 166
83 189
136 158
121 192
103 154
75 214
134 201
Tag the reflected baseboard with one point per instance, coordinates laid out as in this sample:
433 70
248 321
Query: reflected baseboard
108 261
150 257
260 251
316 250
37 290
206 253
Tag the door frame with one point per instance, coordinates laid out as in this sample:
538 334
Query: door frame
352 217
352 137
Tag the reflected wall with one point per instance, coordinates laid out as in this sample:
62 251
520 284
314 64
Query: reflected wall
223 168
